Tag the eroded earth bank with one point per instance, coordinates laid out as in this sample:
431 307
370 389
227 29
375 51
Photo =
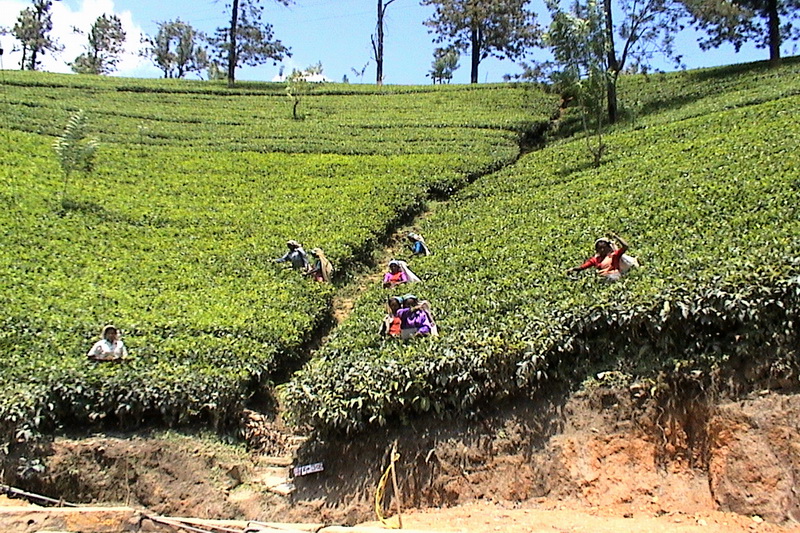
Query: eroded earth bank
612 451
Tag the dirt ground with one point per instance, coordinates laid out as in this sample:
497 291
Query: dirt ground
610 460
546 516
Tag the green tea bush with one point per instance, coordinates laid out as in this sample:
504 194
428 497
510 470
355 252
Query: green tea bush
660 98
390 121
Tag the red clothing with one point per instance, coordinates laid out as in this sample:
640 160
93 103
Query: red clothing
394 327
391 326
606 265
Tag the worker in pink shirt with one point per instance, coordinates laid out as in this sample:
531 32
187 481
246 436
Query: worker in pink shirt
398 274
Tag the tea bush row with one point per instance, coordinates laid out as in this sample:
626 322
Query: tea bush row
426 120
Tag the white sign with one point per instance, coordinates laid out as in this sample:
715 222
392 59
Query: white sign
307 469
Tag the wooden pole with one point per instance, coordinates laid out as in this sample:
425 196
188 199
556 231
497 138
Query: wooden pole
31 496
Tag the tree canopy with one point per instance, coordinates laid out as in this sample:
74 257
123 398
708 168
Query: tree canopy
445 62
32 30
768 23
505 29
106 43
176 50
587 41
247 40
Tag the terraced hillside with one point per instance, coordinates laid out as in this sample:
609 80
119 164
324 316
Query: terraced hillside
704 183
172 237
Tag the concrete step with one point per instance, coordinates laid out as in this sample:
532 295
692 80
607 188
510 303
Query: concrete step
297 440
274 479
284 489
275 460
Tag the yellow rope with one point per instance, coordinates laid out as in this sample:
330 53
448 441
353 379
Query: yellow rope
380 492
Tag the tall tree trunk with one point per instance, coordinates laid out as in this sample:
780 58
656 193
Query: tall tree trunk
475 40
232 50
39 11
774 22
613 64
379 45
96 61
611 97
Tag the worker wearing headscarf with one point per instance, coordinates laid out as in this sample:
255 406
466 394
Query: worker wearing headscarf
390 327
322 270
608 258
414 320
418 246
398 274
110 346
296 256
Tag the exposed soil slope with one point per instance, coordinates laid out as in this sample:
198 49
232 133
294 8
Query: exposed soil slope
603 460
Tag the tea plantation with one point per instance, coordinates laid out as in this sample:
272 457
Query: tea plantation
172 237
704 184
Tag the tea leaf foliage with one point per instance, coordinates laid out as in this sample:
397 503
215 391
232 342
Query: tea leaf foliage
172 236
705 189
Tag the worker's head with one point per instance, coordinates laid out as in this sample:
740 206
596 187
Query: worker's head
110 333
315 252
603 247
409 300
394 267
292 244
394 303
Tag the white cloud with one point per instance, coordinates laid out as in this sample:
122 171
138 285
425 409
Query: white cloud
65 21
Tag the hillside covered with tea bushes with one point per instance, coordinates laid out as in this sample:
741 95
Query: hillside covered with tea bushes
173 236
197 187
704 184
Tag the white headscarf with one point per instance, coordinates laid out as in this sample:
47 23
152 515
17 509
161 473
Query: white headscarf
410 276
418 238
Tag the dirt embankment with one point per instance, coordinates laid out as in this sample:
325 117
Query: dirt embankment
614 452
602 449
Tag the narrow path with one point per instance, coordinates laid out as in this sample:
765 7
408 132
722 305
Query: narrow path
363 275
347 295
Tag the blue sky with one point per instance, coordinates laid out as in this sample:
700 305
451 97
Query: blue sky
334 32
